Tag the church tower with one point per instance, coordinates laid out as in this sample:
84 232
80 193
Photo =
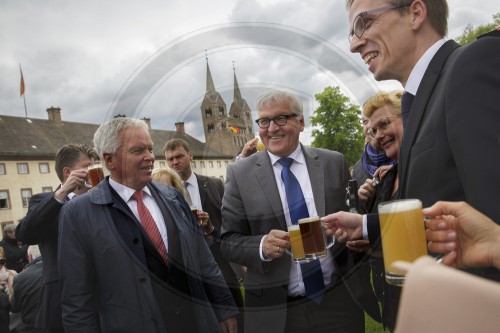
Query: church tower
225 132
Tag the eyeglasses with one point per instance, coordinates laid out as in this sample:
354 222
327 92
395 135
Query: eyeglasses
363 121
382 125
280 120
361 22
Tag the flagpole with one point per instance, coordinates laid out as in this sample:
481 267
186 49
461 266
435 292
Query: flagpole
22 91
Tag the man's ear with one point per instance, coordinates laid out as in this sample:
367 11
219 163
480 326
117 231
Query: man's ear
109 161
66 172
418 13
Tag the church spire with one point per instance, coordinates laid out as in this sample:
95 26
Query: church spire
210 81
237 93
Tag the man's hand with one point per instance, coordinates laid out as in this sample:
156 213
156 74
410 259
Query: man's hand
229 325
250 147
75 182
344 226
275 243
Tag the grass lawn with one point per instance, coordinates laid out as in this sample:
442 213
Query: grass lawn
371 326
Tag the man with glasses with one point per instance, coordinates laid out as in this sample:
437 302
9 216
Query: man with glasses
449 108
255 216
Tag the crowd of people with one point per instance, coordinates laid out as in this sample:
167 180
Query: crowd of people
169 250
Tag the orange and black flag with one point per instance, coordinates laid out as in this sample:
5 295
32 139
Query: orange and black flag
21 88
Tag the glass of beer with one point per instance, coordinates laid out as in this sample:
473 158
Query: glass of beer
314 238
297 247
403 235
194 209
96 173
260 146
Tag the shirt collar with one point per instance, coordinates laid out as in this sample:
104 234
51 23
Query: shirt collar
297 155
418 71
125 192
192 179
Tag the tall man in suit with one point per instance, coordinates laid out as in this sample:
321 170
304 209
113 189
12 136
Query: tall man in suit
134 259
206 194
451 141
40 226
255 215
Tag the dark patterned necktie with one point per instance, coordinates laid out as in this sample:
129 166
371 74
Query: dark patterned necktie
312 275
149 225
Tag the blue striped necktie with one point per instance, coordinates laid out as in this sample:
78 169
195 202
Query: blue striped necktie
312 275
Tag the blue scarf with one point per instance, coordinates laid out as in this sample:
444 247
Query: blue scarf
371 159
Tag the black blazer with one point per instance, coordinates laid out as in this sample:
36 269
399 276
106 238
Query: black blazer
40 226
451 144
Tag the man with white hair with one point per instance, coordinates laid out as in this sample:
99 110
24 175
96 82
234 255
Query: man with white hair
133 258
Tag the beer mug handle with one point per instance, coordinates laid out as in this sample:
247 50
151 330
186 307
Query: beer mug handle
329 240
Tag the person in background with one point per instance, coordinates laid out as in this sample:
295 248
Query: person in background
26 293
465 236
6 278
385 128
206 193
16 253
134 259
41 223
169 177
256 213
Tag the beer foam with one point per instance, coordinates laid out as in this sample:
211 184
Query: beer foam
399 206
293 227
309 219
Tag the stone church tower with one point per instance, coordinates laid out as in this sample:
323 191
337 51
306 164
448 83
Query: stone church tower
226 132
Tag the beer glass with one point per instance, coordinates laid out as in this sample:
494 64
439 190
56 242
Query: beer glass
297 247
403 235
314 238
96 173
194 209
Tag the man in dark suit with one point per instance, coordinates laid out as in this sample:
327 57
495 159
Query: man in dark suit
255 216
134 259
40 226
206 194
451 141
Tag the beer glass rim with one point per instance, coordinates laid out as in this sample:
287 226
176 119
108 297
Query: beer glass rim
408 204
308 219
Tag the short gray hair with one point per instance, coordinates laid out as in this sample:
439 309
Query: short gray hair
273 97
106 138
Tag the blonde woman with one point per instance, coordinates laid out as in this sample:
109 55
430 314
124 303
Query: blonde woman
169 177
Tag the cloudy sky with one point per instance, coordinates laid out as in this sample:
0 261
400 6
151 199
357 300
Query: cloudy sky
94 59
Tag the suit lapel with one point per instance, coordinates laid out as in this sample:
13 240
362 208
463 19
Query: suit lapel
419 107
265 176
315 169
202 188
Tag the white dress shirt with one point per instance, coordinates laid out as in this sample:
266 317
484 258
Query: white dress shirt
194 191
299 169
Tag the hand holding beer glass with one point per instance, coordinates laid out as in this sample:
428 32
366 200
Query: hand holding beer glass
96 174
308 240
403 235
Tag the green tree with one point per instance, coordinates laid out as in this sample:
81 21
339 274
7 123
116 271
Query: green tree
470 33
338 125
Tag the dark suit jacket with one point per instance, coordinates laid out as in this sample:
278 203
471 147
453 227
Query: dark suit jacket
40 226
109 267
26 297
252 207
451 144
211 193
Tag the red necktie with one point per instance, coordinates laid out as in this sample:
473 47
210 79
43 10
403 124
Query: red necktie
149 225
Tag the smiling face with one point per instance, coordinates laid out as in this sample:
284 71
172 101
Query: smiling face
133 162
389 139
280 140
387 45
